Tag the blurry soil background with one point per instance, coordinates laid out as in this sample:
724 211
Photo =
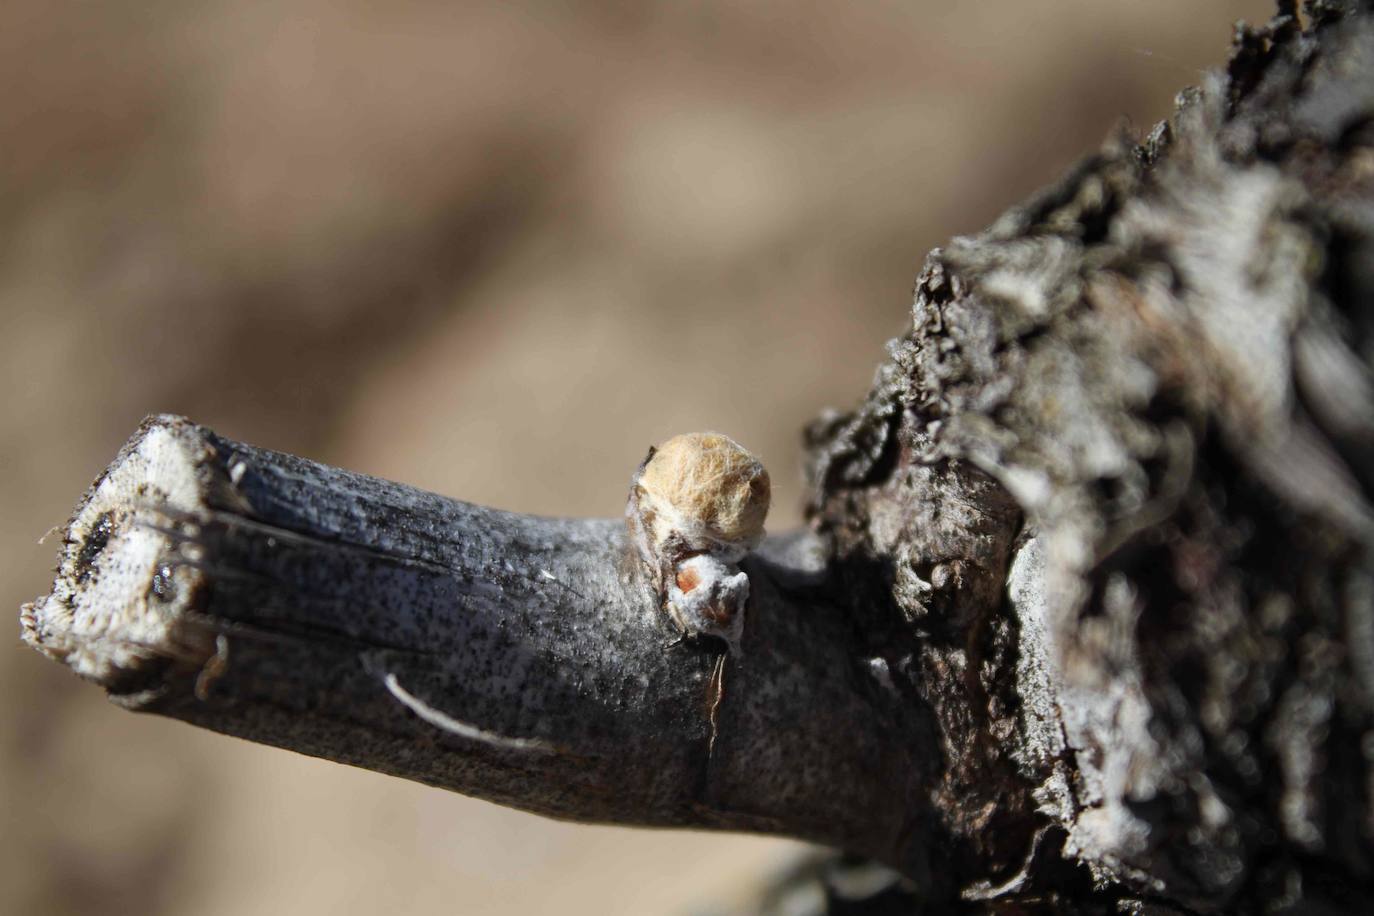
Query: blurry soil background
493 250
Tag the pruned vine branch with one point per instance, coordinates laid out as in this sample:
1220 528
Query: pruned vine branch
516 658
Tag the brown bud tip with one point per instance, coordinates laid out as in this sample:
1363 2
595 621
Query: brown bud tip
687 579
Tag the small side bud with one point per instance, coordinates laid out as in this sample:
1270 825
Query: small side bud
697 507
708 596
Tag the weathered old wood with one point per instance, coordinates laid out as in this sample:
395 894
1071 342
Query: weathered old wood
1164 688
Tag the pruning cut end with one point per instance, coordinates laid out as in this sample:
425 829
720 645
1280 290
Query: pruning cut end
117 613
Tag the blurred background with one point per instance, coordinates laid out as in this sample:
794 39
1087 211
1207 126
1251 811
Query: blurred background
490 249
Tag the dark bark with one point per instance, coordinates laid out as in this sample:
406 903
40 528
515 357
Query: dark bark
1085 621
1165 362
518 658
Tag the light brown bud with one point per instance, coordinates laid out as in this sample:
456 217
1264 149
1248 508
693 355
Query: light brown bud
707 489
697 507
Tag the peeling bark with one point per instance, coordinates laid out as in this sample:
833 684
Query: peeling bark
1164 361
